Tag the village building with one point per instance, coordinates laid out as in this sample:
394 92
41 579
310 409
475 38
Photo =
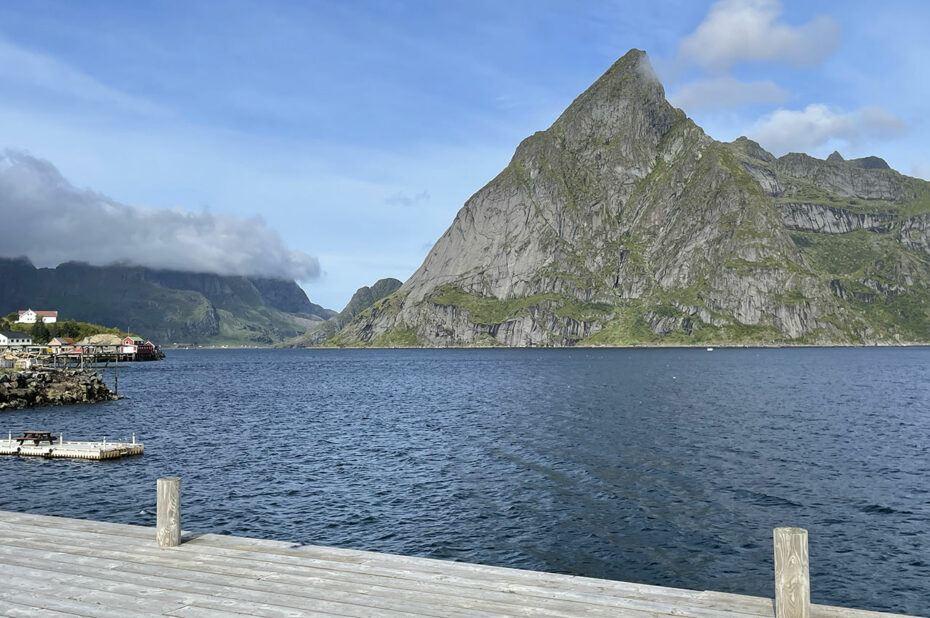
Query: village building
9 338
28 316
137 345
57 342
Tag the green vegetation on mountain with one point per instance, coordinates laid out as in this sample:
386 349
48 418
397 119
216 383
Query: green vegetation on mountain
168 307
363 298
624 224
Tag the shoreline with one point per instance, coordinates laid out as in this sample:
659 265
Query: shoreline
40 388
644 346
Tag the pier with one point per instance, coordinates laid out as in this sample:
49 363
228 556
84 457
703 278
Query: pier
64 449
59 566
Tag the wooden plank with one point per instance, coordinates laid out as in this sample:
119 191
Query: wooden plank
14 593
299 589
239 568
14 610
267 600
447 590
413 565
201 612
53 586
133 597
826 611
64 523
446 587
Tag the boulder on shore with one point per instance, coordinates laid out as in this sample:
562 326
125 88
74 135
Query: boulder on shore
51 387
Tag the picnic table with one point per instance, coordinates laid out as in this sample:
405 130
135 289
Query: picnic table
36 437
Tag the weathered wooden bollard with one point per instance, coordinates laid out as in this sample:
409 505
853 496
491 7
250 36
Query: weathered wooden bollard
168 512
792 574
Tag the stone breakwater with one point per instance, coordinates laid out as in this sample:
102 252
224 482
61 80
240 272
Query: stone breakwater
51 387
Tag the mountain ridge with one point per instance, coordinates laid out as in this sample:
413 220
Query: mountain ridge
624 223
164 305
362 299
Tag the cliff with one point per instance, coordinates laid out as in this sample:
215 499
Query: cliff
623 223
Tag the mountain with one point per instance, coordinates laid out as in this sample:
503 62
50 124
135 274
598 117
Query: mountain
624 223
363 298
164 305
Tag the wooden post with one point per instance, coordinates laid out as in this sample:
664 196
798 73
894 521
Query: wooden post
168 515
792 573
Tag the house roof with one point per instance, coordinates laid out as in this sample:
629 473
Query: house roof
61 341
13 334
44 314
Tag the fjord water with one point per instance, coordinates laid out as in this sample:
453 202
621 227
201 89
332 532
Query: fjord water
665 466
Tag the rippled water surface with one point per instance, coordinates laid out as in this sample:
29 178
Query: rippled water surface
663 466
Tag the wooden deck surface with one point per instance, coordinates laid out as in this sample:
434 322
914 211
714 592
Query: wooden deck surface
53 566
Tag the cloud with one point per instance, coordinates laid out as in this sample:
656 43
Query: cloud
51 221
725 92
22 70
801 130
402 199
748 30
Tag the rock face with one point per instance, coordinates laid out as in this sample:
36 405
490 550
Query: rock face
51 387
363 298
624 223
831 220
163 305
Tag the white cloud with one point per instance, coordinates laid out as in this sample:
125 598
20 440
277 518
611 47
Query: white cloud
402 199
802 130
749 30
56 222
22 69
725 92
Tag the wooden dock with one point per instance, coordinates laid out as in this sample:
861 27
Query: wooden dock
55 566
63 449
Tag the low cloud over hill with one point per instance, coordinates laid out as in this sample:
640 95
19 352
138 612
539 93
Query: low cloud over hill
51 221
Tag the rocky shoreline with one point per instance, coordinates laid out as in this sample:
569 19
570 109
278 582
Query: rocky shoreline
51 387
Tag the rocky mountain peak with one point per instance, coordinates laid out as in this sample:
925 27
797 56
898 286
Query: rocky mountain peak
870 163
752 149
626 101
836 157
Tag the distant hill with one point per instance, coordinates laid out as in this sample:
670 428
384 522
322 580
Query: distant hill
165 306
624 223
363 298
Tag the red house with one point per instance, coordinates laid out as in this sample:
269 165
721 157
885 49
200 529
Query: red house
135 345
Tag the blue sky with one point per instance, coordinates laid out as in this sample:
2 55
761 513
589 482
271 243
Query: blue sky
356 130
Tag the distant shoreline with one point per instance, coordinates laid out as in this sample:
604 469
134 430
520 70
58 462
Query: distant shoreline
645 346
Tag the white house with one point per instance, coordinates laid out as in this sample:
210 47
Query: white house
28 316
14 338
